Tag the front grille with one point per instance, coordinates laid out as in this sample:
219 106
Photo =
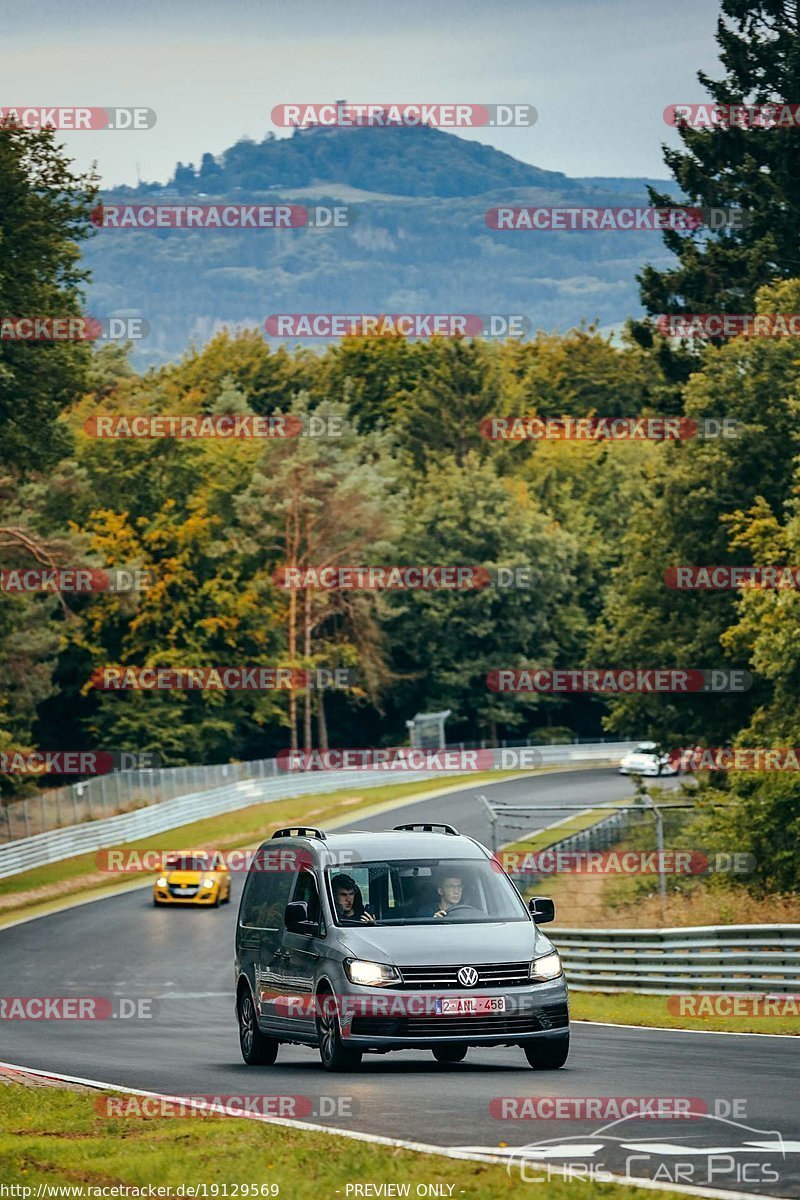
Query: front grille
490 975
510 1024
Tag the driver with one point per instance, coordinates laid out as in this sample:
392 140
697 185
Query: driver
450 890
349 902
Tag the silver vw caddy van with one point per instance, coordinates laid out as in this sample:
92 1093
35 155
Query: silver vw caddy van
410 939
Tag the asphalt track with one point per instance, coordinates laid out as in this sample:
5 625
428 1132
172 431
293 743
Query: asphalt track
180 960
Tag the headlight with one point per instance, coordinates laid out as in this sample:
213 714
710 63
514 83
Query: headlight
547 967
208 883
371 974
162 882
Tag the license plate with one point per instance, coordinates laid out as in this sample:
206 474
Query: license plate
187 891
452 1006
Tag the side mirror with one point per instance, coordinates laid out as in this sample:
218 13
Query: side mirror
295 918
541 908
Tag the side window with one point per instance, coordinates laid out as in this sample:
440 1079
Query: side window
266 897
306 889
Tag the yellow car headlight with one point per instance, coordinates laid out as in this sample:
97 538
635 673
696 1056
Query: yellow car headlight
162 882
208 883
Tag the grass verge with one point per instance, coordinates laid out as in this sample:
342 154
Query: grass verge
54 1136
45 888
628 1008
557 831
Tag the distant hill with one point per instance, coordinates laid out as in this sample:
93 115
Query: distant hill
412 161
419 242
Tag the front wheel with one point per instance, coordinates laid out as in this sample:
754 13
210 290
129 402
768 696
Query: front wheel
257 1050
547 1054
449 1054
334 1054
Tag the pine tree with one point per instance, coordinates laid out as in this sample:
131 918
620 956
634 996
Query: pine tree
756 169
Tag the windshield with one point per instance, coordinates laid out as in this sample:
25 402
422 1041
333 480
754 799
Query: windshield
189 862
423 891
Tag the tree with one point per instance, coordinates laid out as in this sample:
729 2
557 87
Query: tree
44 214
755 169
686 518
445 643
316 502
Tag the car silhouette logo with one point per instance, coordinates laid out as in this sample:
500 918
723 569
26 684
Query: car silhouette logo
468 976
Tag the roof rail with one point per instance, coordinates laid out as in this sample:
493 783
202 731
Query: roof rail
301 831
428 827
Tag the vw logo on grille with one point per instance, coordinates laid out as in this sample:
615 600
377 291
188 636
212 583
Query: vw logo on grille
468 976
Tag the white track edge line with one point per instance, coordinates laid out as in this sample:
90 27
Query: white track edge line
672 1029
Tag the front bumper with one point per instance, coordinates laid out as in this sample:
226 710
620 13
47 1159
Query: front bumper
408 1019
164 896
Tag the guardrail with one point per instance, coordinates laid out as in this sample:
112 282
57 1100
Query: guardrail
714 958
109 795
54 845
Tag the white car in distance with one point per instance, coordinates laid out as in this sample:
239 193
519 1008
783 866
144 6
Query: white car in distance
645 759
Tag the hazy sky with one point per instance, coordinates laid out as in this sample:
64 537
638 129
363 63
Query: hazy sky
600 72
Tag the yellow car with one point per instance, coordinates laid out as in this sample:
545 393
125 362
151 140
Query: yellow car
198 877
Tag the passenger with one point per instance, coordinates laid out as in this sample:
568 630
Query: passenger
349 902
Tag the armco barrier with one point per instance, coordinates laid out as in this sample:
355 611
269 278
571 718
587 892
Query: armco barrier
604 833
26 853
713 958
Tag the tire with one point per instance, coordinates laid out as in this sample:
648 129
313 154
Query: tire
335 1056
547 1054
257 1050
449 1054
